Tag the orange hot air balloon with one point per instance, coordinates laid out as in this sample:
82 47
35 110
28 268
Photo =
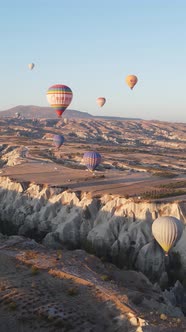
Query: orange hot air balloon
131 80
101 101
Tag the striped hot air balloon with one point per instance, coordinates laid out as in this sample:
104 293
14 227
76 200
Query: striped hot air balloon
58 140
167 231
59 97
91 160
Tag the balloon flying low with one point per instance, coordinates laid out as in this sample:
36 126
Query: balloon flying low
58 140
131 80
59 97
100 101
167 231
31 66
92 160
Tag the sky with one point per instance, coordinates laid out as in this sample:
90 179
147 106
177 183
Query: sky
91 46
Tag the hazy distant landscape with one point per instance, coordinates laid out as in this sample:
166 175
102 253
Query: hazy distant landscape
152 151
39 112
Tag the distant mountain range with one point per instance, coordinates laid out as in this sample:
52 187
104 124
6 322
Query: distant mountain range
30 112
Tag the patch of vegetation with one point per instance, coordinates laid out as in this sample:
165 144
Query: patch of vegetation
12 305
73 155
154 194
59 323
72 291
115 150
34 270
105 277
165 174
174 185
72 135
74 166
59 254
88 246
84 147
103 259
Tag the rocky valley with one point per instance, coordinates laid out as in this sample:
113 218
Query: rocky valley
105 217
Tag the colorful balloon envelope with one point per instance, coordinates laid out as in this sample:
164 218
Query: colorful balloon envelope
58 140
101 101
31 66
92 160
59 97
131 80
167 231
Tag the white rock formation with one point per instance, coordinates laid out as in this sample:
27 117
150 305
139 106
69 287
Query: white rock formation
110 226
15 157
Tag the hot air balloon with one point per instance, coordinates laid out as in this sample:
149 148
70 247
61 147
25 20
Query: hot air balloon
167 231
131 80
58 140
91 160
17 115
31 66
59 97
101 101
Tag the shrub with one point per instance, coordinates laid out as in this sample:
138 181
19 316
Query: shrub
164 174
34 270
72 291
105 277
59 254
12 305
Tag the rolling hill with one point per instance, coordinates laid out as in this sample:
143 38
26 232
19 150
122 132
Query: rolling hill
31 111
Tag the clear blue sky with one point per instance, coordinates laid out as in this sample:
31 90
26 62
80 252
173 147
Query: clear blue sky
91 46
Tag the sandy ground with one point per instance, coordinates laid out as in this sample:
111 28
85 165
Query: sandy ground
103 182
62 295
42 290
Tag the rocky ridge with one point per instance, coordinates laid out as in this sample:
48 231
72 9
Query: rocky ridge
113 227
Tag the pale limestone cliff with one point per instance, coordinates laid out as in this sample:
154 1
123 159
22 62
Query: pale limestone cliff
109 226
15 157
